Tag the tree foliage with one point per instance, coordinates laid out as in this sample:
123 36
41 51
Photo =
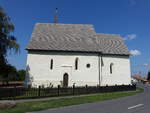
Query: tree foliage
10 73
7 40
148 76
21 74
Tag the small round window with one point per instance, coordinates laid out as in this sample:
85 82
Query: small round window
88 65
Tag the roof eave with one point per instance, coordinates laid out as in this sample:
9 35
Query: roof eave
29 49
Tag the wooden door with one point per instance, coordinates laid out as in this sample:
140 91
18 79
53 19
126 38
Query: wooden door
65 80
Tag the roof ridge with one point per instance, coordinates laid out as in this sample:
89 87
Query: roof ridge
108 34
117 36
64 24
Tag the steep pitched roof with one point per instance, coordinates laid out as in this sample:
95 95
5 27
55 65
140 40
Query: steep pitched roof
111 44
74 37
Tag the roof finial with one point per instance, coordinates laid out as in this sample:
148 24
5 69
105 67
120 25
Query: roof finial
56 16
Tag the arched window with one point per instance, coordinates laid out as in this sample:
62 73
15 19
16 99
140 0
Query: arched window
76 63
51 64
111 65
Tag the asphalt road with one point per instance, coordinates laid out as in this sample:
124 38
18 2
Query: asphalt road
139 103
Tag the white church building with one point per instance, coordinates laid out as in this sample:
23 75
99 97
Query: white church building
67 54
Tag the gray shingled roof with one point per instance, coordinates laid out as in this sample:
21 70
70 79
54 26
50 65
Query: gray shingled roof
74 37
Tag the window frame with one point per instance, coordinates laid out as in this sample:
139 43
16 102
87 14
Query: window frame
51 64
111 68
88 65
76 63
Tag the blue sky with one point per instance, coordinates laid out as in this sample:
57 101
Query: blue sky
129 18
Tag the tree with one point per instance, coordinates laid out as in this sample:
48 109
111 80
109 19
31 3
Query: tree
148 76
8 73
21 74
8 42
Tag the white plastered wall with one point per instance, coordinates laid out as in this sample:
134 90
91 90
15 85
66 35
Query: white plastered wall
120 70
38 66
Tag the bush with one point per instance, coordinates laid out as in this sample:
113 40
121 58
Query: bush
21 74
148 76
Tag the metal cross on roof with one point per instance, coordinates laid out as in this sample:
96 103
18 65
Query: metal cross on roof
56 16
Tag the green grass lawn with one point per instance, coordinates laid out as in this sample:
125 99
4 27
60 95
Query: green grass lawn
41 105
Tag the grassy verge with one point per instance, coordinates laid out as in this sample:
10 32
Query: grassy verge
41 105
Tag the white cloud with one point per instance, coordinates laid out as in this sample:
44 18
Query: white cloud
132 2
146 65
130 37
135 52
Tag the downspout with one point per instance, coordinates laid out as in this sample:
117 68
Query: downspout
99 70
130 68
101 66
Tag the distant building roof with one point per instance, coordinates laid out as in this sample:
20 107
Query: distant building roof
138 77
75 37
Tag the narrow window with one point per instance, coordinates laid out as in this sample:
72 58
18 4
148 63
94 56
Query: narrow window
51 64
111 68
76 63
88 65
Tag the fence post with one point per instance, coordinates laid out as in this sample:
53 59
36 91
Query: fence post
58 90
73 89
86 86
116 88
39 90
106 88
130 87
15 92
10 94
